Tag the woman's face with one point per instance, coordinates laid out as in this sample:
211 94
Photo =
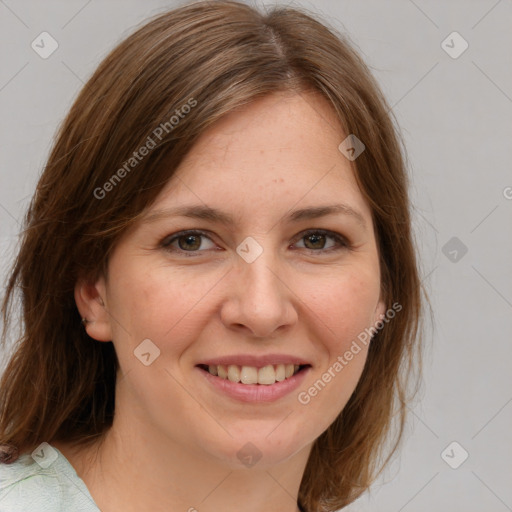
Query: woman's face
255 279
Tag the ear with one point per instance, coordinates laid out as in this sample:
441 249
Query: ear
91 302
380 311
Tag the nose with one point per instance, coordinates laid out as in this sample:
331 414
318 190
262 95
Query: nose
259 300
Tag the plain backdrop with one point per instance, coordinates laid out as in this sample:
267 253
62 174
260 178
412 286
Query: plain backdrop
455 115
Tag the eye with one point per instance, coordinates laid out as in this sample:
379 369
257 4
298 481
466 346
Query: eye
186 241
315 240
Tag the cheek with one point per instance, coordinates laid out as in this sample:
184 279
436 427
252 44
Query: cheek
168 307
160 303
344 306
343 309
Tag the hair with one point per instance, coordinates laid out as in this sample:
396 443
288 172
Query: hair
58 384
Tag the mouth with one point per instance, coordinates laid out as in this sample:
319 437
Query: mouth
252 375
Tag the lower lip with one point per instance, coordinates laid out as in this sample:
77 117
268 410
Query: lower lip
255 392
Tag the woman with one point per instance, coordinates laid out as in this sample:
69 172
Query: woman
219 285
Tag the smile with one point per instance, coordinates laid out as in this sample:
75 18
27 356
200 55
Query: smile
266 375
245 383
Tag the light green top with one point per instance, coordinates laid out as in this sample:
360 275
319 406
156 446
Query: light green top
43 481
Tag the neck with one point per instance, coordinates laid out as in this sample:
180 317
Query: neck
132 472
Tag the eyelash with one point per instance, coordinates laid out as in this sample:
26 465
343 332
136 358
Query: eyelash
340 240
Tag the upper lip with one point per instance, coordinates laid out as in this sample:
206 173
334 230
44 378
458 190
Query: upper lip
253 360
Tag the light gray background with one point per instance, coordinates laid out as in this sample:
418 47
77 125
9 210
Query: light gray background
455 115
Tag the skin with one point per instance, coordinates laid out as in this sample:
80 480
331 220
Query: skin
175 437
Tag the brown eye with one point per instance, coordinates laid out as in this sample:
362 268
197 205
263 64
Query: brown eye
187 241
320 240
315 241
192 242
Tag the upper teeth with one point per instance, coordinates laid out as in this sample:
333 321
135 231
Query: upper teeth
251 375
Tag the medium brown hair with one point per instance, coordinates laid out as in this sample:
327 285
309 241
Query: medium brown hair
59 385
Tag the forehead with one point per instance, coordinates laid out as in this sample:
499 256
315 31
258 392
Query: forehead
275 152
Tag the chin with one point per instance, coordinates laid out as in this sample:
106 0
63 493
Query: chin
262 447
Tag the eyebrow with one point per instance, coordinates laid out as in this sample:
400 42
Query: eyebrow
207 213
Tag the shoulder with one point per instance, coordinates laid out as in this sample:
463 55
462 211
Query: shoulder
45 482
